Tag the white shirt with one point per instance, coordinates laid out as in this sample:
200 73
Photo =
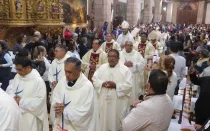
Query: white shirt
47 65
153 114
180 66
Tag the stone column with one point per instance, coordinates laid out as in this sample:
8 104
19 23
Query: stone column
174 12
158 8
102 12
200 12
169 12
133 12
148 11
207 20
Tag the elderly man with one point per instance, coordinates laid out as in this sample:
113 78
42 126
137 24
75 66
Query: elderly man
135 62
37 41
73 100
125 36
93 59
109 44
113 84
29 92
154 113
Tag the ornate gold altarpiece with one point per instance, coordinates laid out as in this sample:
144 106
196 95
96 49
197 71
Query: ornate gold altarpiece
26 16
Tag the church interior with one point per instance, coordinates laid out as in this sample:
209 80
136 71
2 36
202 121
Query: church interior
172 20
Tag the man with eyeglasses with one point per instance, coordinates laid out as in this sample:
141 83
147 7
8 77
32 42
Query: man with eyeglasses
73 100
29 92
56 71
113 84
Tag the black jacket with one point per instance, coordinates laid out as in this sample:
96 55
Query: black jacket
202 106
39 66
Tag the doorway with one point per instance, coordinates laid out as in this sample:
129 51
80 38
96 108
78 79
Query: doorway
187 13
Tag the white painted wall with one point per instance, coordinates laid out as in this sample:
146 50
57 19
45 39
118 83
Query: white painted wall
207 21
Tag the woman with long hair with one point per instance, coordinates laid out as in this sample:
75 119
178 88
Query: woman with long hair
167 65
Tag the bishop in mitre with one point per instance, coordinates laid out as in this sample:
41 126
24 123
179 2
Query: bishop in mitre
56 72
73 100
93 59
29 92
136 63
113 84
110 43
135 34
125 36
159 47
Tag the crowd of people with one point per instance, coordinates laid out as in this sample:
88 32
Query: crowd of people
124 80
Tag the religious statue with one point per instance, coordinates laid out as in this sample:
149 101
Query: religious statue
55 8
40 6
18 6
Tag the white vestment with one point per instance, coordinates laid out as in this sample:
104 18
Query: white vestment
113 103
74 54
56 72
87 60
149 51
79 112
137 72
11 117
32 90
123 38
114 46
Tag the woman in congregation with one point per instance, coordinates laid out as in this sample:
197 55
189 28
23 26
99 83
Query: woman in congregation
5 63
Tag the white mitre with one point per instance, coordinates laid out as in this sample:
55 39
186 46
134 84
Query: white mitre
135 32
153 35
125 25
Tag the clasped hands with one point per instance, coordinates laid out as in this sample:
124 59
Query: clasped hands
17 99
59 108
128 64
109 84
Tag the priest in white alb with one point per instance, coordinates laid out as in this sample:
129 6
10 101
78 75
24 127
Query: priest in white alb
113 84
136 63
56 72
73 100
93 59
109 44
29 91
11 117
125 36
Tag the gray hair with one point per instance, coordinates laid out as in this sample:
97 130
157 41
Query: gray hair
129 42
73 60
205 53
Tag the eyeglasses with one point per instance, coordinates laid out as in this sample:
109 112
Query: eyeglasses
19 69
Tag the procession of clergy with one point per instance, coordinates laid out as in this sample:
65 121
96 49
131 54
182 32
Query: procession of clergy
98 93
